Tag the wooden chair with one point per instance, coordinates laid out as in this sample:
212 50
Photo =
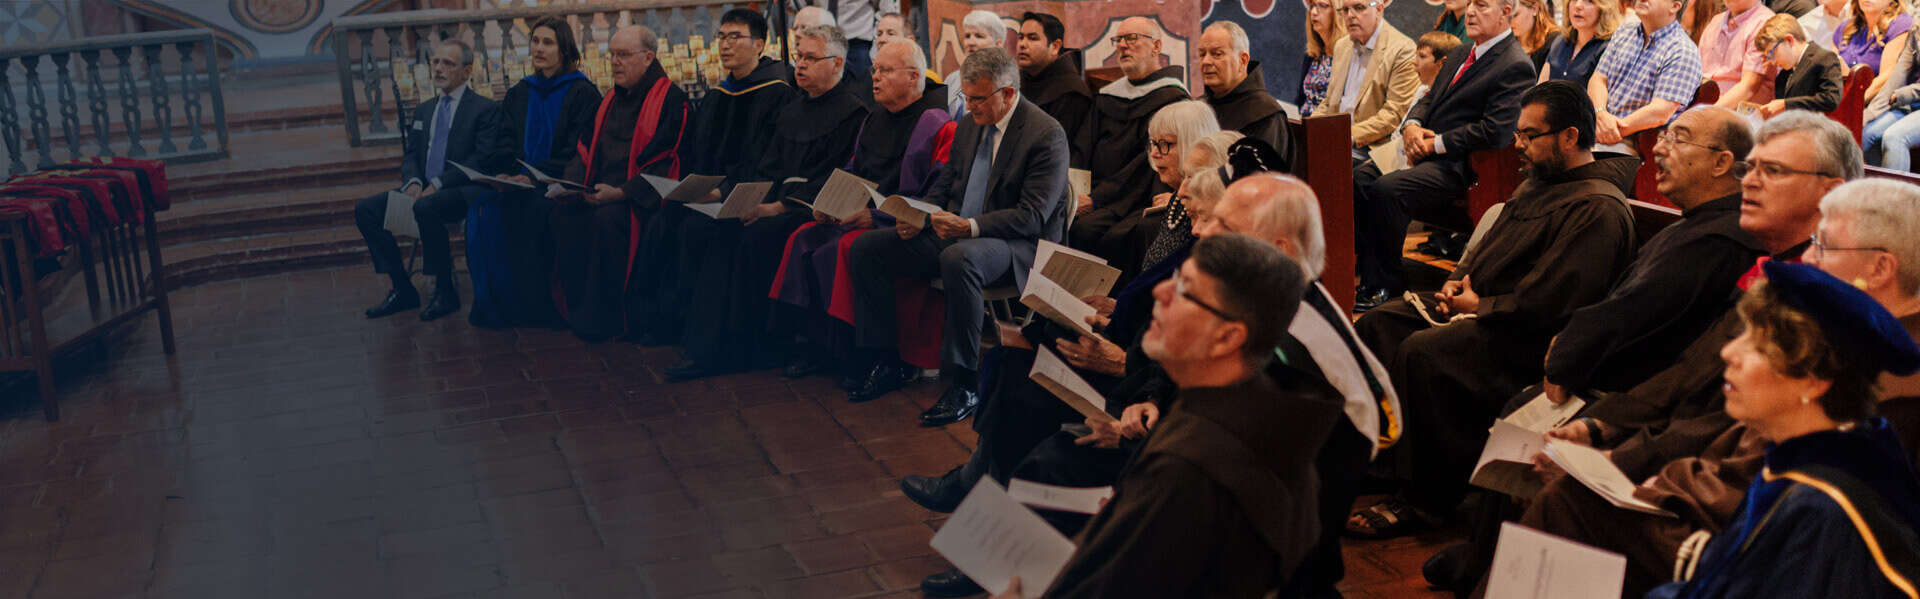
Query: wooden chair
1496 175
1100 77
1853 100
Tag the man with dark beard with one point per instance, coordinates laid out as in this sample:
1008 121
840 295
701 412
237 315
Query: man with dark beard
1050 77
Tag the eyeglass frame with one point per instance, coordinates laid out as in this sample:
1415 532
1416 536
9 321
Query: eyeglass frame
804 61
1128 39
1762 167
1370 5
878 70
1155 146
1180 289
1521 138
1814 244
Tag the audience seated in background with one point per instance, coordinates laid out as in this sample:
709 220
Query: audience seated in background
1646 75
1810 76
1375 78
1590 25
1820 23
1889 136
1877 30
1729 59
1316 64
1534 28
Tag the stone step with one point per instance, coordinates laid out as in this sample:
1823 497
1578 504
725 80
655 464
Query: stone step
284 161
263 213
257 255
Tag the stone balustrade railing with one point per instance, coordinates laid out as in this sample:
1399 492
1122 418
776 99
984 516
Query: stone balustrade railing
383 59
141 75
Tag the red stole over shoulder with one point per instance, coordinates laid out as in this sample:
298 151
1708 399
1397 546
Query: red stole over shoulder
643 129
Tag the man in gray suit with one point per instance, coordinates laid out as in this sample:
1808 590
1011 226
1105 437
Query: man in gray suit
1003 189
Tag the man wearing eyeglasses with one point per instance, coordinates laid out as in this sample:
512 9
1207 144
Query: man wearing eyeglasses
1050 77
1237 91
729 264
1123 179
1374 77
1004 188
729 130
1563 238
1472 107
638 132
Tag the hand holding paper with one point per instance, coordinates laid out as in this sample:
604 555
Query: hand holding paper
1528 563
992 539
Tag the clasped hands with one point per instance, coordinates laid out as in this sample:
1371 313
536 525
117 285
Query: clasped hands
1457 297
1417 142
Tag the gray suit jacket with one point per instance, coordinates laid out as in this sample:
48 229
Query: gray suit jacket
1027 200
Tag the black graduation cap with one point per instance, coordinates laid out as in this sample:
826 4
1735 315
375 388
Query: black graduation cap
1249 156
1855 323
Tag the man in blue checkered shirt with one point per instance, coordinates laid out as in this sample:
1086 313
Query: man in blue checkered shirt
1646 75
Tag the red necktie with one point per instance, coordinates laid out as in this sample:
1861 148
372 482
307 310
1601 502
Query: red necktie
1463 68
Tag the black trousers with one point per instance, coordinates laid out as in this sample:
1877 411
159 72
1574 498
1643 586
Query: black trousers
434 212
1057 460
1383 205
965 267
1342 464
1016 414
729 311
591 250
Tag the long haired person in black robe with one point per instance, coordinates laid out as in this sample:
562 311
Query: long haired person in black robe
637 129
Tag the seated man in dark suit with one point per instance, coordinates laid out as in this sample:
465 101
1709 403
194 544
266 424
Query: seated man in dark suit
1811 77
455 127
1003 188
1472 107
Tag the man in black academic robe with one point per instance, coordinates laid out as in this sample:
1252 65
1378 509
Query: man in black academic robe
1237 91
729 130
637 131
729 265
1050 77
1562 239
1123 180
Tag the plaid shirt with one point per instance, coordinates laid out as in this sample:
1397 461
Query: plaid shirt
1639 68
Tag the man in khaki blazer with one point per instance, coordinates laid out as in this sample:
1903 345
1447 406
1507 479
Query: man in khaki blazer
1377 92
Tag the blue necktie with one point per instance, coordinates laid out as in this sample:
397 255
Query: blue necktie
976 196
437 150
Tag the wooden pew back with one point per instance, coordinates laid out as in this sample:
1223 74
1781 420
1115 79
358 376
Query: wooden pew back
1853 100
1496 175
1649 219
1325 161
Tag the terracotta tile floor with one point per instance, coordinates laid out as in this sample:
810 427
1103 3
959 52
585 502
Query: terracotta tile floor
294 449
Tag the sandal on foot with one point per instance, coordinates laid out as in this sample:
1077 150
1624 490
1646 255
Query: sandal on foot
1386 520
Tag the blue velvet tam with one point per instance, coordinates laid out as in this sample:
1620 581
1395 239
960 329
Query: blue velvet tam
1859 327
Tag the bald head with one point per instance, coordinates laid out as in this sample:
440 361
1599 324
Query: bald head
1276 208
632 49
813 16
1140 55
1707 167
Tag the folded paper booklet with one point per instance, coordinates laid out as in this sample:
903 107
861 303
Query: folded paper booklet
1598 473
843 196
545 178
1057 378
1057 304
400 221
1528 563
1080 182
1080 273
907 210
744 198
1541 415
691 190
1506 464
992 539
1080 500
486 178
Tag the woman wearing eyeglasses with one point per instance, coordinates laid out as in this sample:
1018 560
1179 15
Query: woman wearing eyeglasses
1322 32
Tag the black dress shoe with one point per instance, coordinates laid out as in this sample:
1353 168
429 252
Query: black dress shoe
950 583
938 493
802 366
652 339
885 378
1371 299
1452 569
445 301
397 301
955 405
690 369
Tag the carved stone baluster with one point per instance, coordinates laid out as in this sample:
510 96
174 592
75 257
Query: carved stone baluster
97 103
129 102
370 76
69 105
397 59
492 72
162 103
37 111
507 57
190 96
10 121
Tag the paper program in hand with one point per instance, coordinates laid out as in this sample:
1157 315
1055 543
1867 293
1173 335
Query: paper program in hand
1506 464
1528 563
544 178
691 190
474 175
1056 377
1080 500
1079 273
744 198
843 196
1541 415
992 538
1598 473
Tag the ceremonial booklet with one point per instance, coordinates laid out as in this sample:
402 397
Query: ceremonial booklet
1056 377
1080 273
1049 299
1080 500
544 178
400 221
842 197
1506 464
907 210
691 190
1080 182
1528 563
1541 415
744 198
1598 473
992 539
485 178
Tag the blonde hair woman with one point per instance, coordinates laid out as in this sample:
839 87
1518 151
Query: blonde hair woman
1322 31
1534 28
1572 57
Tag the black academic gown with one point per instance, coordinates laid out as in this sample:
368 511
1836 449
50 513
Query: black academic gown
593 245
524 218
731 275
1219 502
1680 283
726 136
1060 90
1123 179
1249 109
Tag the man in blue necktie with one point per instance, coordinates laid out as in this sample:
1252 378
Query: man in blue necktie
1004 190
455 126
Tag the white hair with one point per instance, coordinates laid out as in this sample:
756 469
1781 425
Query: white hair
915 59
988 23
814 16
1885 214
1235 31
1294 214
1187 121
831 36
1216 146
